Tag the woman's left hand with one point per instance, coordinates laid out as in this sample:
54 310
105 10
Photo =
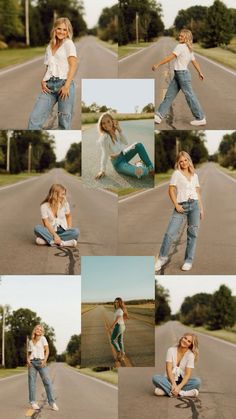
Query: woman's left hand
64 92
201 214
201 76
43 363
176 391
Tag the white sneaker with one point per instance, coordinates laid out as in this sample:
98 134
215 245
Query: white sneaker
54 407
69 243
161 261
40 241
198 122
189 393
186 266
159 392
157 119
35 406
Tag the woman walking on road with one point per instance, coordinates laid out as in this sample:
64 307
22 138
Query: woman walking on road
180 361
118 327
57 220
184 192
182 54
57 84
113 142
37 355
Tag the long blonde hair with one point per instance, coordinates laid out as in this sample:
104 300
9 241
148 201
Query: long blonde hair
58 22
122 305
188 38
53 194
194 345
184 154
33 336
100 128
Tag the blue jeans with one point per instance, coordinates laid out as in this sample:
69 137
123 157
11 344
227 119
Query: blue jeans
192 214
162 382
32 376
69 234
45 102
121 163
117 337
181 81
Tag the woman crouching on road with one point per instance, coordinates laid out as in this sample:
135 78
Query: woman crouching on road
118 328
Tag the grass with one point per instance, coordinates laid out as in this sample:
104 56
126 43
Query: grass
229 172
129 49
228 335
7 179
7 372
92 118
86 307
107 376
19 55
163 177
221 55
109 45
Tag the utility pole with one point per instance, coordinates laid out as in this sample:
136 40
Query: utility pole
27 35
8 150
29 157
137 34
177 144
3 336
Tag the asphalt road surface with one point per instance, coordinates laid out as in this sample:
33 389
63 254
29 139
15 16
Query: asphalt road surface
217 93
77 396
216 368
143 220
135 131
97 350
20 84
94 212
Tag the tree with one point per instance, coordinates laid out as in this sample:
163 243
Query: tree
162 308
195 309
74 350
149 108
222 309
73 159
218 29
107 24
10 25
192 18
227 151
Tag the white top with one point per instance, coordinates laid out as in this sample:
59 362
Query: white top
58 65
108 147
37 349
119 312
186 189
183 57
60 220
186 362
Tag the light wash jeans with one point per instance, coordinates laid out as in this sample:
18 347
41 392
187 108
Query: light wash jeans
45 102
32 376
117 337
192 214
181 81
121 163
69 234
162 382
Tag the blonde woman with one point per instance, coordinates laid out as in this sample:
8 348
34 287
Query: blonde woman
180 362
184 192
182 54
37 355
118 328
114 146
57 84
57 220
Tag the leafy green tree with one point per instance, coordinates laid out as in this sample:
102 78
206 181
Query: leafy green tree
162 308
218 28
74 350
227 151
195 309
222 309
107 24
149 108
192 18
73 159
10 24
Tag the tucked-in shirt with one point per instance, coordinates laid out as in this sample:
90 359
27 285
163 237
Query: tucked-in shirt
186 362
183 57
186 189
60 220
37 349
58 65
119 313
109 147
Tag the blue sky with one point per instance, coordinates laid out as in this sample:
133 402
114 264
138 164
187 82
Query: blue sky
106 277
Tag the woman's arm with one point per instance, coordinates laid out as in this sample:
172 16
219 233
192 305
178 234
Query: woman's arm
46 354
197 67
69 220
123 138
44 87
172 196
28 359
104 158
164 61
64 91
51 230
187 375
200 203
170 375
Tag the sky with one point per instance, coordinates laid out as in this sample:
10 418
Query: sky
56 299
181 287
213 139
93 10
108 277
63 140
171 7
120 94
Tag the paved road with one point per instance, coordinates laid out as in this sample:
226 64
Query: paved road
93 211
97 350
77 396
21 85
217 93
143 220
135 131
216 368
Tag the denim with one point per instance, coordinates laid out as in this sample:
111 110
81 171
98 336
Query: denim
162 382
32 376
117 337
192 214
121 163
181 81
45 102
69 234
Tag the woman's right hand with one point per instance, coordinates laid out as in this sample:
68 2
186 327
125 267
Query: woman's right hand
100 175
29 363
57 239
179 208
154 67
44 87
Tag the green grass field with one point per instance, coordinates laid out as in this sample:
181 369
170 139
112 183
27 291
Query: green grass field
6 179
221 55
19 55
7 372
92 118
108 376
229 172
228 335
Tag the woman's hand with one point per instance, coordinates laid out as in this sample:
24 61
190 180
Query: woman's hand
155 67
179 208
57 239
201 76
175 391
43 363
44 87
64 91
100 175
117 125
201 214
29 363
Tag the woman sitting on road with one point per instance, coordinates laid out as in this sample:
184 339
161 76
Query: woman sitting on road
113 142
188 207
57 221
118 327
57 84
37 355
180 361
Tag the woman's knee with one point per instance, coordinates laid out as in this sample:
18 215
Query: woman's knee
197 382
157 379
75 233
37 228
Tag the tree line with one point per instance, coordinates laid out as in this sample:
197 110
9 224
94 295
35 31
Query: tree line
96 108
226 155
